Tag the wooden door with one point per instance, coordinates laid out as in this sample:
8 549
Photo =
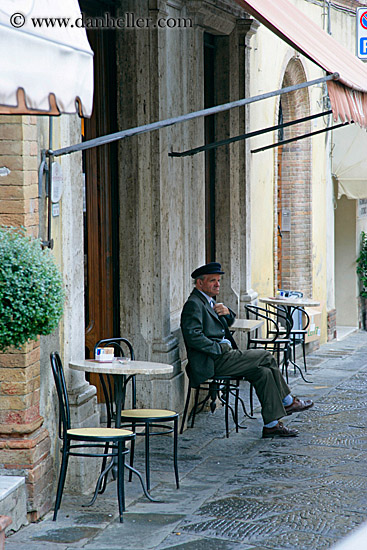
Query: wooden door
101 201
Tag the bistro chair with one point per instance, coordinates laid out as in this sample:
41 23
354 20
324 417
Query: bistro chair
271 340
153 422
276 338
150 421
298 335
282 343
223 388
107 442
277 331
122 348
284 317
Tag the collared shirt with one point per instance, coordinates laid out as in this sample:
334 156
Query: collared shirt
209 298
212 304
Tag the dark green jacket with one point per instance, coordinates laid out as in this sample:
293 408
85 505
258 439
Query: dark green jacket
202 331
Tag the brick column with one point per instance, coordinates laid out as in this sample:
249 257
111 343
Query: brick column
24 443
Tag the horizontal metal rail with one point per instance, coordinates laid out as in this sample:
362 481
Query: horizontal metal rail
109 138
241 137
302 136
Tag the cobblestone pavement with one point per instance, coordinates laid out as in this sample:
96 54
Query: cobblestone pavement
242 493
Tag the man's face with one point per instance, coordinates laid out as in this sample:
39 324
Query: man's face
210 284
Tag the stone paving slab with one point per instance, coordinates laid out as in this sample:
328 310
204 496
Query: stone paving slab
241 493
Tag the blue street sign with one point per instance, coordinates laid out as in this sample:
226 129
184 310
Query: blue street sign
361 32
363 46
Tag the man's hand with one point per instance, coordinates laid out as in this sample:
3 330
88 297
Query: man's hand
221 309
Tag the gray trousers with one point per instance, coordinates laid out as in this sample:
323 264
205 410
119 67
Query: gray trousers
259 367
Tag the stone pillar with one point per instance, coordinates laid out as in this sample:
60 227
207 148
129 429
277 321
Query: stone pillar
24 442
233 224
245 30
193 176
144 237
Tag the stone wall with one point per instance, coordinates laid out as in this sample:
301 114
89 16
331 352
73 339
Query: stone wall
162 199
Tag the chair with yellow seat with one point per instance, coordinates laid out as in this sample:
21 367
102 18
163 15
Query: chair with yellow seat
153 421
110 441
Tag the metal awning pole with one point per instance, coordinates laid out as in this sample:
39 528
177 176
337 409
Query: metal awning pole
303 136
241 137
103 140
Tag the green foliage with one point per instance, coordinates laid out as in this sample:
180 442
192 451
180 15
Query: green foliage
362 265
31 290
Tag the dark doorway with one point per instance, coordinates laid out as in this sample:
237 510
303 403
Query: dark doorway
209 101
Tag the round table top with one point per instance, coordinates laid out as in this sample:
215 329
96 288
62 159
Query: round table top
120 366
291 301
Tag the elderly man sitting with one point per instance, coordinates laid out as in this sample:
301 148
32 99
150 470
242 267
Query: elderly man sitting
204 325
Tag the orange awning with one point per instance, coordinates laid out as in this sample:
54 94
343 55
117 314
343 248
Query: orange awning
348 95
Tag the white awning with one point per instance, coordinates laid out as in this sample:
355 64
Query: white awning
349 161
46 63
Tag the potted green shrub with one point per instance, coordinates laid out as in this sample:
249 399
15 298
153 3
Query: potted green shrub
362 273
31 289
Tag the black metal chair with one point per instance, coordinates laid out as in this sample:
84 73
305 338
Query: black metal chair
282 344
276 338
298 335
222 387
270 339
284 318
121 347
111 440
153 421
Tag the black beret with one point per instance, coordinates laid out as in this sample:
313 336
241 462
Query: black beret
207 269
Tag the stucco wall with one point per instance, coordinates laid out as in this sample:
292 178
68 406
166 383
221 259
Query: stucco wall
269 58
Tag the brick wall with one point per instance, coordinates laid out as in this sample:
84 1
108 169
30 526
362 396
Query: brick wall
295 181
24 443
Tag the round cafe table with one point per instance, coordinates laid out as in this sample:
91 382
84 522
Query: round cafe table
120 369
290 302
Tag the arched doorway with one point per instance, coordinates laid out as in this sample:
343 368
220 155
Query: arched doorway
293 243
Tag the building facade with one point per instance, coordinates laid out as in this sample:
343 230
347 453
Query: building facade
133 222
